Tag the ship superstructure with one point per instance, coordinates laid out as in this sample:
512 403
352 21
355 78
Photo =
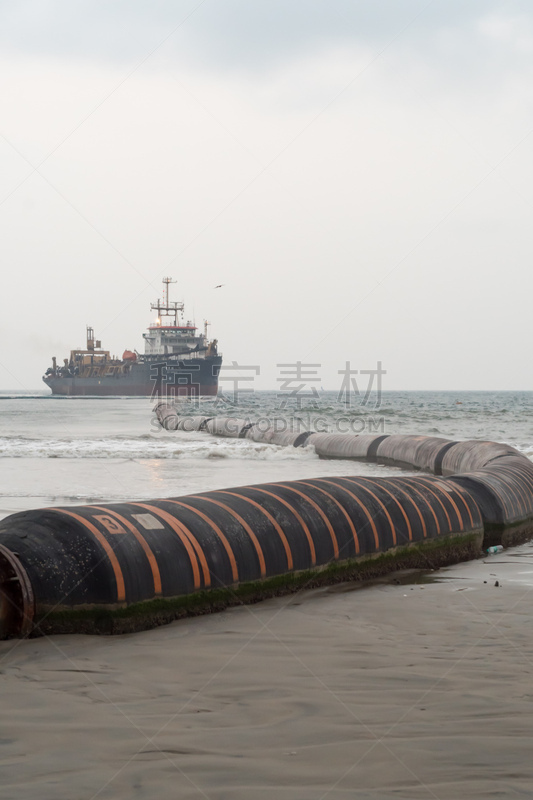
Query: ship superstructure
177 360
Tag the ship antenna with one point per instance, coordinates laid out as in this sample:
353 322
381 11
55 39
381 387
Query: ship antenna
168 281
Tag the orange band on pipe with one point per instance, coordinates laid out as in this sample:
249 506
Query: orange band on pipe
383 508
360 504
119 577
298 517
437 498
435 485
334 499
460 493
249 531
408 496
269 516
144 544
416 491
317 508
406 518
183 534
219 533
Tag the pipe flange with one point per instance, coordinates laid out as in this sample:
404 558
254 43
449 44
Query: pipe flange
17 605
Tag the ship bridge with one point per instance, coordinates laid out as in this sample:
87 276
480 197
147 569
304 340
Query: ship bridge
177 337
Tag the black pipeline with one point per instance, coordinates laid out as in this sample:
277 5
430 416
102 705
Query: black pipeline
123 567
132 565
497 476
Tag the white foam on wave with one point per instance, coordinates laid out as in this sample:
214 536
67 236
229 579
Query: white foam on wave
156 448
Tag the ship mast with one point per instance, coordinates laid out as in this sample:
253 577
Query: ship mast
165 308
167 281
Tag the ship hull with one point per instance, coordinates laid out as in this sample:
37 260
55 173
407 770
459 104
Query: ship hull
156 379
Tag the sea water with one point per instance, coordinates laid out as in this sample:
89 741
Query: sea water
70 451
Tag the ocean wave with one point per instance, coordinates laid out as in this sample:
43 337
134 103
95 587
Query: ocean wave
149 449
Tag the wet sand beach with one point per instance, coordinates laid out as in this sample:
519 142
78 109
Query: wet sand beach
417 689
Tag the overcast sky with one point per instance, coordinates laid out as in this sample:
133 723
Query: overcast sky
358 175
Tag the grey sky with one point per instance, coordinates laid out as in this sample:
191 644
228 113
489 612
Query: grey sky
235 33
357 174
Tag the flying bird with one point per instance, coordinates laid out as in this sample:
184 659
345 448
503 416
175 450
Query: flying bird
220 285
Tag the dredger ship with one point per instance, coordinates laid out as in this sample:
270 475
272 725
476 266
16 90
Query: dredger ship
177 361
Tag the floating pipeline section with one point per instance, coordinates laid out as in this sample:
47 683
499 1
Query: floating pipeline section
122 567
497 476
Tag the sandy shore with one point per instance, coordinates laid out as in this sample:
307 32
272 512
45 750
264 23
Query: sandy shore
399 690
